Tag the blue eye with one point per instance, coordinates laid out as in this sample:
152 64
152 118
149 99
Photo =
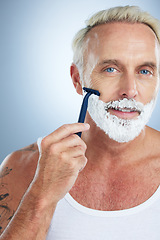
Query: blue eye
110 70
144 71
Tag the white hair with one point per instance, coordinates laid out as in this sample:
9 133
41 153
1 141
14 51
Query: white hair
130 14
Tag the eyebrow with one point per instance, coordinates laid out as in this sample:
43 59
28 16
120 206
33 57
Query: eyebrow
109 61
149 64
118 62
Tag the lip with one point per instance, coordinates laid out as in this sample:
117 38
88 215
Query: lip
124 115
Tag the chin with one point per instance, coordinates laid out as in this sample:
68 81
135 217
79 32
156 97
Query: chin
118 129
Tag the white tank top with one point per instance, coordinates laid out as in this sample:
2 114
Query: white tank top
72 221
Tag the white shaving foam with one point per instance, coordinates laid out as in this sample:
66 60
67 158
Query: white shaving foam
92 58
120 130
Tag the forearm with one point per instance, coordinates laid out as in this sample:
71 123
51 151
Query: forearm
61 159
31 220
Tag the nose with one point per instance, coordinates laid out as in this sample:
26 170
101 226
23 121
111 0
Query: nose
128 87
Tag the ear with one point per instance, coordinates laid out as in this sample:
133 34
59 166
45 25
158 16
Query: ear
76 79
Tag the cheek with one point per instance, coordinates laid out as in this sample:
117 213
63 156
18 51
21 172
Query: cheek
107 91
107 87
157 86
148 91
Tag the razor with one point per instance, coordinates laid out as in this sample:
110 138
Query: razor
85 105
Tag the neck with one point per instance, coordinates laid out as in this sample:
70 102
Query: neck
101 148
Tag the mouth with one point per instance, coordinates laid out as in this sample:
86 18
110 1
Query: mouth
124 113
125 109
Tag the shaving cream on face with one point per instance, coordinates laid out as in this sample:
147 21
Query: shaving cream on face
120 130
90 52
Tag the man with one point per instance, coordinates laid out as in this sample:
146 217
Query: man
104 185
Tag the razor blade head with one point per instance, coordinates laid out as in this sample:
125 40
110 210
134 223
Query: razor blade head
96 92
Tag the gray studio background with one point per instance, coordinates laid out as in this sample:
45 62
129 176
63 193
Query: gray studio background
36 92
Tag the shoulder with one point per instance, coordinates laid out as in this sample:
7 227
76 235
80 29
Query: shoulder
153 137
153 134
16 173
20 165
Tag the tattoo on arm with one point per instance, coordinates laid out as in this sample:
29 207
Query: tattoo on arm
31 148
5 172
5 212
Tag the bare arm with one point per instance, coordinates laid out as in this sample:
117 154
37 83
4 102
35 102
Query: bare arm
30 222
6 213
62 157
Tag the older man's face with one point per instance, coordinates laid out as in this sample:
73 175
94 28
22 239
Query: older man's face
122 61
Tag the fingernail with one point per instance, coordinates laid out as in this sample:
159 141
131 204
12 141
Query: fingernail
87 125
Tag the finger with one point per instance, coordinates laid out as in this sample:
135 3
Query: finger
69 129
82 161
75 158
75 164
67 143
64 131
74 152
